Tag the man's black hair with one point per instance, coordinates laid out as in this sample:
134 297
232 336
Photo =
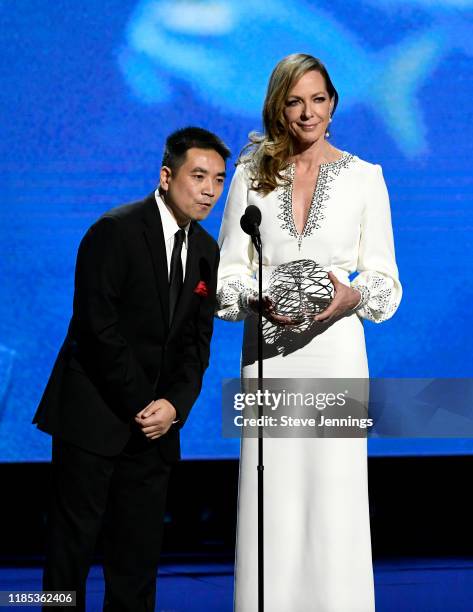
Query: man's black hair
179 142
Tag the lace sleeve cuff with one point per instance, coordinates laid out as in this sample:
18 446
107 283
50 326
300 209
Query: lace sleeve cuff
233 297
365 296
380 296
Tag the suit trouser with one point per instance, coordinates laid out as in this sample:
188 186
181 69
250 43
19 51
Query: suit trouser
126 496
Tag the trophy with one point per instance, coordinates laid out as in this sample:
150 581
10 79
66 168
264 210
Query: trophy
300 290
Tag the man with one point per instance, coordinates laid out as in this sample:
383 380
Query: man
128 373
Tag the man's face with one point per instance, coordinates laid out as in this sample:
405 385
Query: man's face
194 188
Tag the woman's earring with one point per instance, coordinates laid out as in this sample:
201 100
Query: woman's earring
327 133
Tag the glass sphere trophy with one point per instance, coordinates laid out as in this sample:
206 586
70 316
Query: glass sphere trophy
300 290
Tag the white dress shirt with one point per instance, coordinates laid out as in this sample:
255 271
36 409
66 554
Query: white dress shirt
170 227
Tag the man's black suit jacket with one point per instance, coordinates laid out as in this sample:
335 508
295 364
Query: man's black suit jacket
120 352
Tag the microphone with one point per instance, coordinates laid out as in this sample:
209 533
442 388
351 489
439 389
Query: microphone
251 221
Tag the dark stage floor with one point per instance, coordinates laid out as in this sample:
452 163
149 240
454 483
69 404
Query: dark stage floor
402 585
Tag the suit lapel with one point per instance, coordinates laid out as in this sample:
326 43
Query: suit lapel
155 239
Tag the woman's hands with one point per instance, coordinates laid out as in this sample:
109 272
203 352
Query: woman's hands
269 312
345 299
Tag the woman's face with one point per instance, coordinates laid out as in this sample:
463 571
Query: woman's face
307 109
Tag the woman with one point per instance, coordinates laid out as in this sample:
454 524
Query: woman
329 206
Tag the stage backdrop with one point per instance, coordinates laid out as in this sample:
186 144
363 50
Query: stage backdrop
89 91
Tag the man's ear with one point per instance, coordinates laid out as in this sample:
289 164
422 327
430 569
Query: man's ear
165 177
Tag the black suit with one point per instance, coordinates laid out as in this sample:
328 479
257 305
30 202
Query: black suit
120 353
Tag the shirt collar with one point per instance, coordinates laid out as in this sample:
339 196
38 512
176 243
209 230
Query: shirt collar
170 226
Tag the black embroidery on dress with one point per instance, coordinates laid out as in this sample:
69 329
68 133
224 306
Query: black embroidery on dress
327 174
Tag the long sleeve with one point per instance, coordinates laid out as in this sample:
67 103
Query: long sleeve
236 281
100 275
378 280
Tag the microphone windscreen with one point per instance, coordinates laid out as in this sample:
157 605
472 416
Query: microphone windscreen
247 227
253 214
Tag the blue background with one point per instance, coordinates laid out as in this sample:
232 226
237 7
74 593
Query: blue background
89 92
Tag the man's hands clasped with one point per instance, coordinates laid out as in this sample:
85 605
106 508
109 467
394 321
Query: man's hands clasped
156 419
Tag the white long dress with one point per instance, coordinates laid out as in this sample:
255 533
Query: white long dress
317 532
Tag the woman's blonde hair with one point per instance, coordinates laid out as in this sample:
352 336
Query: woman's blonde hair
267 154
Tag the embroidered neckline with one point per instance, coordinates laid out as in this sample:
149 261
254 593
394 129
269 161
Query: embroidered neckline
328 171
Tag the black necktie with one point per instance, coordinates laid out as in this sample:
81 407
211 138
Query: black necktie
175 276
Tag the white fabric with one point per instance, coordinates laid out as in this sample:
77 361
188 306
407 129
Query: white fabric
170 227
317 533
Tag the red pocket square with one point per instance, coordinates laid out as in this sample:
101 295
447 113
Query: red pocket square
201 289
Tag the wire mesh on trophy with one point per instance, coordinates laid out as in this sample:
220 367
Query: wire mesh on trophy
300 290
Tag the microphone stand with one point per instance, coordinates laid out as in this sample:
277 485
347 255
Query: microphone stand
260 468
